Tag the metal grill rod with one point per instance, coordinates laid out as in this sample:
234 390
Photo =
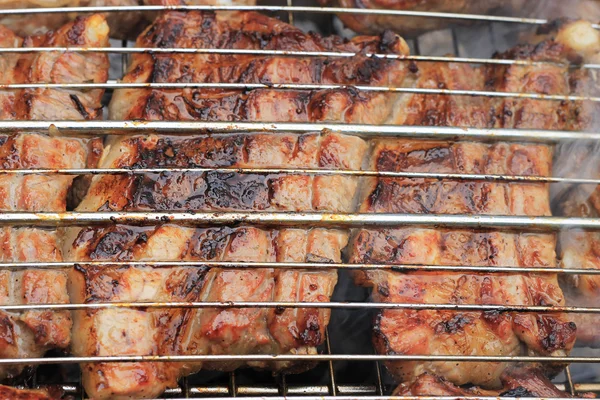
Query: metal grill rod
287 53
296 357
294 86
338 397
284 53
299 220
301 304
187 128
306 171
303 266
365 391
303 9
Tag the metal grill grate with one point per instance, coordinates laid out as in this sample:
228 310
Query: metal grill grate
326 385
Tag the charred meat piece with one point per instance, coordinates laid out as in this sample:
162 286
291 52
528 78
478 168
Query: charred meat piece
256 31
230 331
580 249
469 333
55 67
32 333
413 25
123 25
196 331
520 382
52 393
207 331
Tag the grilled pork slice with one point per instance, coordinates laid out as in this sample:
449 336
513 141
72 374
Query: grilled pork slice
412 26
206 331
579 249
252 31
468 333
123 25
195 331
520 382
32 333
55 67
448 332
234 330
7 392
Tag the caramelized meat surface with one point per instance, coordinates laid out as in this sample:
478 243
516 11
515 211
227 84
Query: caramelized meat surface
32 333
469 333
55 67
7 392
218 331
522 382
413 26
196 331
123 25
256 31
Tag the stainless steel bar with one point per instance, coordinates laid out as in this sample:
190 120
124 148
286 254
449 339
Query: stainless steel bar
296 304
284 53
379 387
295 357
188 128
387 398
305 265
305 9
366 391
569 385
299 220
309 171
299 86
332 382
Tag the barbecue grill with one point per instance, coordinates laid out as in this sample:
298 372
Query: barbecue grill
336 376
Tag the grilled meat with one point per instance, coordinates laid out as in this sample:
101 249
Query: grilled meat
217 331
32 333
7 392
123 25
195 331
55 67
412 26
522 382
255 31
470 333
578 249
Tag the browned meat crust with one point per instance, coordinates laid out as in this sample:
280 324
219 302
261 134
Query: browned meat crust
32 333
200 331
413 26
50 67
123 25
233 331
10 393
521 382
469 333
255 31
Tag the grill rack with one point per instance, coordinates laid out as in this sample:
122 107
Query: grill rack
331 390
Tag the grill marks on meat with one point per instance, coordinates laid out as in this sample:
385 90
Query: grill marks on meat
255 31
55 67
468 333
195 331
207 191
32 333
